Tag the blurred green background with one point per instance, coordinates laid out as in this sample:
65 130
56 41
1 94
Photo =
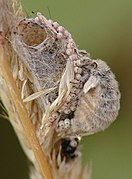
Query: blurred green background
103 28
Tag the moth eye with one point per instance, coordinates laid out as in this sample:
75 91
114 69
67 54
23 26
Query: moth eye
31 33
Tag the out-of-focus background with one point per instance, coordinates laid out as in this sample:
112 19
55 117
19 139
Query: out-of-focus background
103 28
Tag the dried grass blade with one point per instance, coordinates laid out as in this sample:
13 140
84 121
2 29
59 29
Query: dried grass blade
38 94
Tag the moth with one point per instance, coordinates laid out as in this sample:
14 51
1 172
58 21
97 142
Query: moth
95 106
85 97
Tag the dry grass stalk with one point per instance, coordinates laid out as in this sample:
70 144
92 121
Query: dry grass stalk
18 85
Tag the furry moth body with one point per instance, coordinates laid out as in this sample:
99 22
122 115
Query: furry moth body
99 100
90 101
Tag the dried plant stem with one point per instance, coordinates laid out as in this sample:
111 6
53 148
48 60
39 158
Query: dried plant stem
23 115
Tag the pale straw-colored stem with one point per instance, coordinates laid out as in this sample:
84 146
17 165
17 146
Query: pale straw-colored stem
23 115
